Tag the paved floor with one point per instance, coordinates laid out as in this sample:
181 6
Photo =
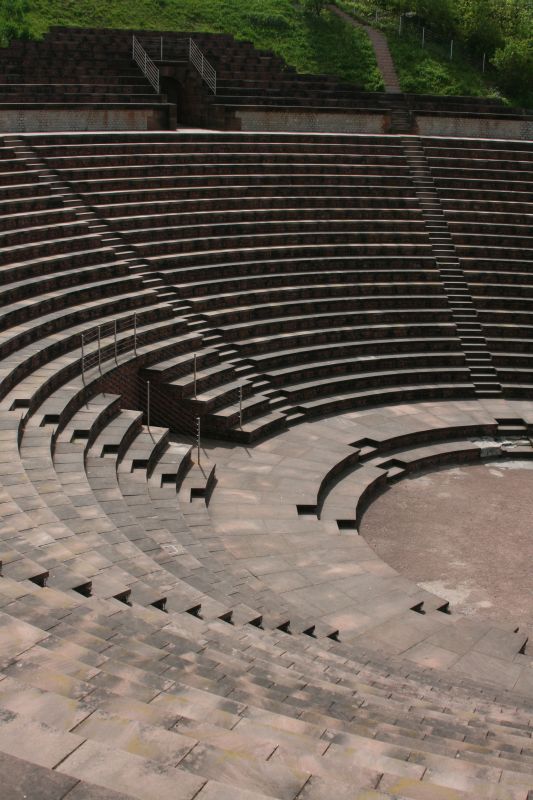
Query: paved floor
465 534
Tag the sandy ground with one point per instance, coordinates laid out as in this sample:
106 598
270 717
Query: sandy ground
465 534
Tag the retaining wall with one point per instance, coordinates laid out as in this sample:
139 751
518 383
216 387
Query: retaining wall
311 122
475 127
19 120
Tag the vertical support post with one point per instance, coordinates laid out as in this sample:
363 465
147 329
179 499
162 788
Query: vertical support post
198 439
451 50
148 403
116 351
99 350
83 357
240 406
194 375
423 37
400 25
484 61
161 48
377 15
135 334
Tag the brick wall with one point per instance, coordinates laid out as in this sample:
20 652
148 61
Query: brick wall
128 381
15 120
123 380
311 122
475 127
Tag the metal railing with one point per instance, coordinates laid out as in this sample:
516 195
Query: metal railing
206 70
171 49
149 69
103 343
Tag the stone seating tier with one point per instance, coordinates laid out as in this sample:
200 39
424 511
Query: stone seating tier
250 81
178 627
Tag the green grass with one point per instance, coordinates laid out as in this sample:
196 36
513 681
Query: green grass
429 70
309 43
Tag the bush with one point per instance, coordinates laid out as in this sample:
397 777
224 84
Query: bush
13 24
514 62
315 6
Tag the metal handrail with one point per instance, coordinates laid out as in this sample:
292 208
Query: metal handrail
102 342
149 69
158 48
206 70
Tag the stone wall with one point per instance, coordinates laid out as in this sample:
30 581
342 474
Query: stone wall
475 127
18 120
311 122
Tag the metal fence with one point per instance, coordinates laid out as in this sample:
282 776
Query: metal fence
149 69
409 24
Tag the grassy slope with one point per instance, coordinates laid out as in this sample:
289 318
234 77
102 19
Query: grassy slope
427 70
311 44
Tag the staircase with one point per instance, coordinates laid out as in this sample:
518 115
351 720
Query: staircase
401 118
381 50
464 314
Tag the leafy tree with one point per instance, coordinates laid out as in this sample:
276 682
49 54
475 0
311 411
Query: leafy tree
438 13
479 24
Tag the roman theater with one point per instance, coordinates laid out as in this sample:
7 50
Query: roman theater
266 420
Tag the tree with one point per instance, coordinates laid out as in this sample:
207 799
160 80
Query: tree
479 24
438 14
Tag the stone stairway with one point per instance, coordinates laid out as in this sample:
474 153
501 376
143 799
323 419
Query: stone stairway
381 50
469 330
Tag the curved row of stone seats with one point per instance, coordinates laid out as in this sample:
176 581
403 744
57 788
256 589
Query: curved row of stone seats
230 273
34 377
254 80
245 76
462 108
330 470
100 685
58 277
249 80
129 690
41 389
493 242
101 74
29 448
121 688
109 676
66 564
100 78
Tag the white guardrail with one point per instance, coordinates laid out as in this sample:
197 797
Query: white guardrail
172 50
206 70
146 64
